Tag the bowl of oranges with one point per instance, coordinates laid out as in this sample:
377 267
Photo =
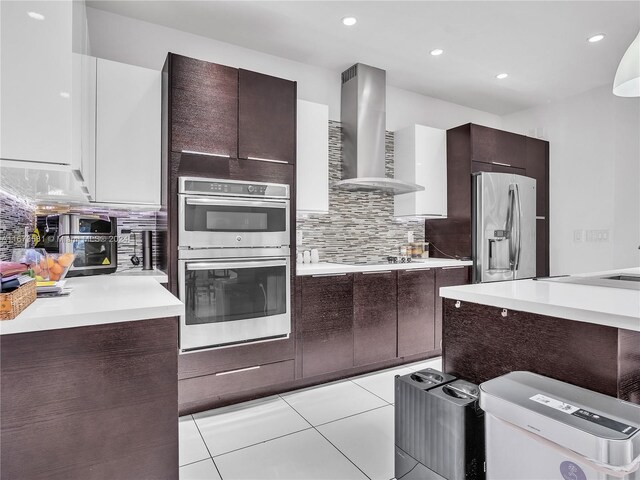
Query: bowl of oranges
58 265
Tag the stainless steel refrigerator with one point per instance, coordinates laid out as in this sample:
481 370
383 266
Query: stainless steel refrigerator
503 227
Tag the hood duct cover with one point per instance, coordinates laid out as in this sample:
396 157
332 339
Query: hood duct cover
363 118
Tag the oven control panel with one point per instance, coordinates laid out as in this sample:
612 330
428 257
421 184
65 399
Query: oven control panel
232 188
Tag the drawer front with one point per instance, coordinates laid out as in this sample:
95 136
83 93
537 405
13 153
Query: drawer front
210 388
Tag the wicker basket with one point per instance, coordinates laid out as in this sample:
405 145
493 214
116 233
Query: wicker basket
12 303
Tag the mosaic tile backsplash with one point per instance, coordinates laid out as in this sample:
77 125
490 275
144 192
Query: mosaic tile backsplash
15 215
360 227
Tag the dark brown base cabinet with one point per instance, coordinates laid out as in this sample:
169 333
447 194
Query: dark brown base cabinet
447 277
326 323
480 344
96 402
416 299
375 317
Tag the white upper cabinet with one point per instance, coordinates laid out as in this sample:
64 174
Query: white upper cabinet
421 157
128 123
36 79
312 160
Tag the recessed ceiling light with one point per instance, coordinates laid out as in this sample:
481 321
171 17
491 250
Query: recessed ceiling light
595 38
349 21
64 94
36 15
500 76
436 51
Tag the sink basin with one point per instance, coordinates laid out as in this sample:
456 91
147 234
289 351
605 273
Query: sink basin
627 281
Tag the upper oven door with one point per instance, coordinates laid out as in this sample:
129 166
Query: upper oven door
233 301
215 222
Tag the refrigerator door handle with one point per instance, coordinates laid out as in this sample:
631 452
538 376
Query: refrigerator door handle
509 228
518 229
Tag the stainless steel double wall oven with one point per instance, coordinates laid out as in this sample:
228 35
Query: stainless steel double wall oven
233 262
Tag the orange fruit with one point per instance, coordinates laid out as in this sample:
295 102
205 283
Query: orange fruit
54 276
56 269
50 262
65 259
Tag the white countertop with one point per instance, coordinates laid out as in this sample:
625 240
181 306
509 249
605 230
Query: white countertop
97 300
614 307
158 275
335 268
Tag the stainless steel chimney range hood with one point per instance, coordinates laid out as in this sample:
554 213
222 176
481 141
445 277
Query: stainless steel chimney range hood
363 118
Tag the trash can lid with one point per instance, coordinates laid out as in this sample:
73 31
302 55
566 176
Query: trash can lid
593 413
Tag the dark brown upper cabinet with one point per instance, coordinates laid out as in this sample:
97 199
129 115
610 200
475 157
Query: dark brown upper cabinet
204 107
374 317
416 310
267 118
497 147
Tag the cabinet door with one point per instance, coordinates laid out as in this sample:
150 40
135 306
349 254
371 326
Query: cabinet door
326 323
542 247
204 107
128 116
490 167
416 311
267 118
538 168
497 147
36 81
312 157
446 277
375 317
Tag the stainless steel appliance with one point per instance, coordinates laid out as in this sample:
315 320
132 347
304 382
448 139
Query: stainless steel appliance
234 269
91 238
439 428
538 427
503 227
228 213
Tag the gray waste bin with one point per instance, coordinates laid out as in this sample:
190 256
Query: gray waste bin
439 429
540 428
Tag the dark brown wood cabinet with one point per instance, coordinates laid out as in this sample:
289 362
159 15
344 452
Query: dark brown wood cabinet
203 101
326 323
416 311
497 147
474 148
374 317
92 402
267 117
482 342
447 277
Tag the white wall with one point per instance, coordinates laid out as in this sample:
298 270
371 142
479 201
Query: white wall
594 177
128 40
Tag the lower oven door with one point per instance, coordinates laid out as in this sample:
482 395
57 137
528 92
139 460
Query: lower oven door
231 301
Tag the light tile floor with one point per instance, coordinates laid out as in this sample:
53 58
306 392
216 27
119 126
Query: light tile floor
341 430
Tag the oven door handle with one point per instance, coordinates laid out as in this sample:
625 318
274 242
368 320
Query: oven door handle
239 203
232 265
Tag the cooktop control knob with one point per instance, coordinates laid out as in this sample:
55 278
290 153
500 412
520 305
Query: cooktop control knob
251 188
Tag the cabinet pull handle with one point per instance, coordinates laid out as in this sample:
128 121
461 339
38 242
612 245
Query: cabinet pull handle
237 371
374 272
538 217
417 269
452 268
272 160
329 275
193 152
504 312
458 304
503 164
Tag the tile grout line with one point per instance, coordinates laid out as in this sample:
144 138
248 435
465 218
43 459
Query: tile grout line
372 393
263 441
207 447
329 441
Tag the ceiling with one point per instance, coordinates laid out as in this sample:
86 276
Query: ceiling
541 45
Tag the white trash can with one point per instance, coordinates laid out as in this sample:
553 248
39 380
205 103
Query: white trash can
538 428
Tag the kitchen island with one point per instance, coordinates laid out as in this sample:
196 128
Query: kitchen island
88 383
587 335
